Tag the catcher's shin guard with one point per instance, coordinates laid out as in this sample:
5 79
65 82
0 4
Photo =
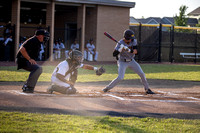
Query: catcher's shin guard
71 90
50 90
57 88
60 89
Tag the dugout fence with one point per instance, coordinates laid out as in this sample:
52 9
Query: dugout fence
164 43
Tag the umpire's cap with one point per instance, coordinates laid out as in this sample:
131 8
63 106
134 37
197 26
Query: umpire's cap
43 32
40 32
129 34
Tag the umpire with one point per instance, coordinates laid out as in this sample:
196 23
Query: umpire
26 58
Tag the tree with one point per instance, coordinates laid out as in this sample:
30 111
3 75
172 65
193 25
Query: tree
181 20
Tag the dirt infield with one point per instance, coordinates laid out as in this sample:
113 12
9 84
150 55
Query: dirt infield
177 99
173 99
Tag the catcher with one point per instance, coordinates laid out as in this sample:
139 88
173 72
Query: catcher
65 74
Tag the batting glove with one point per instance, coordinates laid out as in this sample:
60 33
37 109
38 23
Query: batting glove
121 48
127 49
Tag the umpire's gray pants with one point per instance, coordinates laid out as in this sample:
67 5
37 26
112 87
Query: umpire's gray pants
122 66
35 72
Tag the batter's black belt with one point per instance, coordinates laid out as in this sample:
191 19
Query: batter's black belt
126 60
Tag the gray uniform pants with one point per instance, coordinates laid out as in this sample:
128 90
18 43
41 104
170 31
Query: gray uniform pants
121 71
35 72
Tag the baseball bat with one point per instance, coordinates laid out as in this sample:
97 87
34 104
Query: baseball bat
109 36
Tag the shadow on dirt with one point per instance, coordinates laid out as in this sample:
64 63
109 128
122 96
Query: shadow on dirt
155 83
97 113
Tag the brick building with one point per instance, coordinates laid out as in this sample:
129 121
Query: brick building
69 19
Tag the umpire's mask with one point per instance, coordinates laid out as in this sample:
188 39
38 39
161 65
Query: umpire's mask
46 36
77 56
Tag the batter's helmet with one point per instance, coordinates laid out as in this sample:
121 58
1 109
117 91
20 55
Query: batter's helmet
77 56
129 34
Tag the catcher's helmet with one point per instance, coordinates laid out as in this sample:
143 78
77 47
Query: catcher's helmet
77 56
129 34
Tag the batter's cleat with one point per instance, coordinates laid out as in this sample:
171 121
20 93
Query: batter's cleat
148 91
105 90
27 89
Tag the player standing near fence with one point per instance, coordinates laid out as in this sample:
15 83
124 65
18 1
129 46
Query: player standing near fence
125 52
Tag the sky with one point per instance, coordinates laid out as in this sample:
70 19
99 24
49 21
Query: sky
161 8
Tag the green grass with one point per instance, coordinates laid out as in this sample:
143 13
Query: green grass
152 71
41 123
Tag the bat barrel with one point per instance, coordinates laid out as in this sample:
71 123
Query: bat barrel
109 36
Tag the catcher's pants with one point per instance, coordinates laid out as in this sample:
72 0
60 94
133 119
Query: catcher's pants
121 71
56 81
36 71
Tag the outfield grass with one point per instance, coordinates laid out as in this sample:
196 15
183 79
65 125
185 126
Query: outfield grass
152 71
48 123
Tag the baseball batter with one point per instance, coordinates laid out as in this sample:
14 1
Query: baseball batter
65 74
125 52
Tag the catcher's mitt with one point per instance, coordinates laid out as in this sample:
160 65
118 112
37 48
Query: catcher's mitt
100 71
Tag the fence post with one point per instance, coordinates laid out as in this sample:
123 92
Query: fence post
159 43
139 42
195 47
47 53
171 54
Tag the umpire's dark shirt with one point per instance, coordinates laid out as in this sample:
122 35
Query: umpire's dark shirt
32 46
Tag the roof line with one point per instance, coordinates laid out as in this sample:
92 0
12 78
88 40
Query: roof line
102 2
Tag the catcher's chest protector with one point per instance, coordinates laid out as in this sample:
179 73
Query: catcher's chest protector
72 71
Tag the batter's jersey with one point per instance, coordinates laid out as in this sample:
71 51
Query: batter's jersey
125 54
62 68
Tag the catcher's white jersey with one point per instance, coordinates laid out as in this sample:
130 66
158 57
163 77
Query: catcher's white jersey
61 68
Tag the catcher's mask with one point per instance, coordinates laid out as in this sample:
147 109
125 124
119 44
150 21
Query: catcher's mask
129 34
76 56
